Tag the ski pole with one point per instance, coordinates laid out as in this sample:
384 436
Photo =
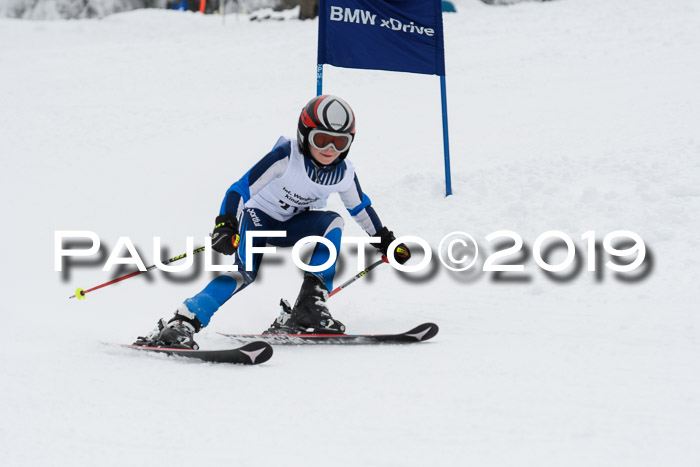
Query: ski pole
80 293
358 275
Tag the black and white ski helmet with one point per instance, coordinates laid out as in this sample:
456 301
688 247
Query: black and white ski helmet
329 113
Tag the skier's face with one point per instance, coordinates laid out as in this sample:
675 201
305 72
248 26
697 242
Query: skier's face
325 156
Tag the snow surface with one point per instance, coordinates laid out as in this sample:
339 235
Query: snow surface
567 115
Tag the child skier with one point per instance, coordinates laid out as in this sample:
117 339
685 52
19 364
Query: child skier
285 191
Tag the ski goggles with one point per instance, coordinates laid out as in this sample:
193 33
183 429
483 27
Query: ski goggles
321 139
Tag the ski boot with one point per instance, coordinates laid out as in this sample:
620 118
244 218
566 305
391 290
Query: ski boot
279 325
310 313
178 333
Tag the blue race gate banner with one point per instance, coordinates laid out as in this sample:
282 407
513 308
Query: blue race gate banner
393 35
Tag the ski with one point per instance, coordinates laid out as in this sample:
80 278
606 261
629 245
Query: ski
250 354
418 334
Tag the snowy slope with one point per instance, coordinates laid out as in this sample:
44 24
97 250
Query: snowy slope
572 116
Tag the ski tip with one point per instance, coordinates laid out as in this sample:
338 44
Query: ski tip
258 352
423 332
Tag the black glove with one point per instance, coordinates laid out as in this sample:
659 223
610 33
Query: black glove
401 252
225 237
